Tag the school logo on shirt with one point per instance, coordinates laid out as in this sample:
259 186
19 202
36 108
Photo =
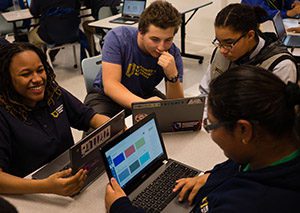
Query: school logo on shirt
136 70
204 205
57 111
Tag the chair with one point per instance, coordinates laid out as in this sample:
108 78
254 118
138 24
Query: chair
90 68
49 48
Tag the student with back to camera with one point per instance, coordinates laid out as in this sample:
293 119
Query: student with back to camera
239 41
252 118
35 119
136 60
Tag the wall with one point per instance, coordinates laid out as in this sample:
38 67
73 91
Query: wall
200 29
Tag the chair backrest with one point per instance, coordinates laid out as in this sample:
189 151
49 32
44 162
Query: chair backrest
90 68
104 12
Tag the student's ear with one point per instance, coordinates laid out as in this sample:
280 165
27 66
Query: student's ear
245 131
251 34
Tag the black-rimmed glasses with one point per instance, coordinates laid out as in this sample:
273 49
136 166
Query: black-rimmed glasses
227 46
208 126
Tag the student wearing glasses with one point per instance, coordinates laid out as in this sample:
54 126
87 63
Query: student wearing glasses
239 41
252 118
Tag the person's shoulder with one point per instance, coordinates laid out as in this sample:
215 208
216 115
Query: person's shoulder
174 49
124 31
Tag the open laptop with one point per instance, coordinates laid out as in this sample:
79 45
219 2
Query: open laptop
131 11
173 115
85 154
139 162
287 40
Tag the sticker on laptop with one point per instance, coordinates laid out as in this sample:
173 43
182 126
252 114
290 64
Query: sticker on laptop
186 126
140 116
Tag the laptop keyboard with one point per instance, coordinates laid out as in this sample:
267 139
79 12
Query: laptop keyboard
159 193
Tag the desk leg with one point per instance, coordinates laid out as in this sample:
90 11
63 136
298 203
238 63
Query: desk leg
15 31
183 53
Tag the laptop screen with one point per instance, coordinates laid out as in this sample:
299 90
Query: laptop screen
133 8
279 26
134 152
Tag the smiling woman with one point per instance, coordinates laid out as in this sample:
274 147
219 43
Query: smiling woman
35 119
28 77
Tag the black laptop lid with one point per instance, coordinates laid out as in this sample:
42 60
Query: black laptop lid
85 154
135 155
279 26
133 8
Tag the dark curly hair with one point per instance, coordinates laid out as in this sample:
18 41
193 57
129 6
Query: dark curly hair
9 98
161 14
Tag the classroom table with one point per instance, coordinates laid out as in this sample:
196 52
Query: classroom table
183 6
193 148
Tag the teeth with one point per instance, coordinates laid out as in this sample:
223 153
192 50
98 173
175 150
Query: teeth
36 88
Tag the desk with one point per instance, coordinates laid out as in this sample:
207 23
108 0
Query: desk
17 15
193 148
183 6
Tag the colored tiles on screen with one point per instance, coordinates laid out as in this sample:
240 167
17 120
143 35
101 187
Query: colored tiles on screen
145 157
134 166
124 174
140 143
129 151
119 159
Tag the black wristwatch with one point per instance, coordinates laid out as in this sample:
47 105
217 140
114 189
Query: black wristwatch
174 79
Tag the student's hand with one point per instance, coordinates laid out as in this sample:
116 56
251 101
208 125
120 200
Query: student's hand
167 62
294 11
62 183
191 186
154 98
113 192
295 4
294 29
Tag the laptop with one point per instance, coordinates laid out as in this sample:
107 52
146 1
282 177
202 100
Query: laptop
139 162
288 40
173 115
131 11
85 154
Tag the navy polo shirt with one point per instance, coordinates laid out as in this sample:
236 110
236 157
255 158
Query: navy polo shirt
27 145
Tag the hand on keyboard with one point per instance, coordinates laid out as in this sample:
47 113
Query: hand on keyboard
189 187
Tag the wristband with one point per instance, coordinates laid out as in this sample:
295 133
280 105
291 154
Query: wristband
174 79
